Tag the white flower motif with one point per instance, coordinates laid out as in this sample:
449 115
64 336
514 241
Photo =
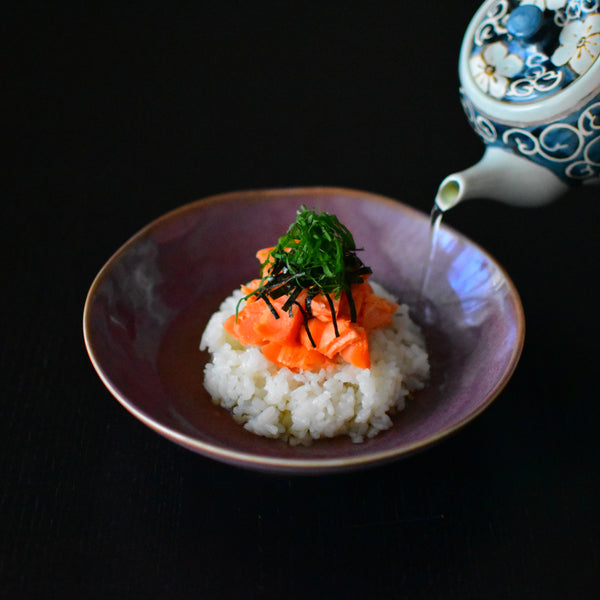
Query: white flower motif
546 4
493 67
579 44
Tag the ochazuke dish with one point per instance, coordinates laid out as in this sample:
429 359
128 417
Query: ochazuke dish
313 348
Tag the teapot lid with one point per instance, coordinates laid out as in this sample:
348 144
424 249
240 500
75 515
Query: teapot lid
519 52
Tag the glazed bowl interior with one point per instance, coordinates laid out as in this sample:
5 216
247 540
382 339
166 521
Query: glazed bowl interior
147 308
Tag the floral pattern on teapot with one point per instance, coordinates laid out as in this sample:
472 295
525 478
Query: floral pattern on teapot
531 49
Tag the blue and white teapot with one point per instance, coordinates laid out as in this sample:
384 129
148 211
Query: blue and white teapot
530 86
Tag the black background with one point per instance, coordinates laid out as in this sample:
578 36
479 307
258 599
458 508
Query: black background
120 112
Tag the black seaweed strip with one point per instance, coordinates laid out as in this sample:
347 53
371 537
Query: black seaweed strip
289 303
308 304
333 317
305 323
352 305
281 288
267 287
277 292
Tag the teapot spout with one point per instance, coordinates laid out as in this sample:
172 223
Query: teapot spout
503 176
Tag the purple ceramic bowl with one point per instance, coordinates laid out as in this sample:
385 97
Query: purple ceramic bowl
147 308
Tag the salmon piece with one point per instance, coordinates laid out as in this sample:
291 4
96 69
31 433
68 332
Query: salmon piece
285 329
316 327
256 324
359 292
295 356
329 344
250 287
320 309
263 253
376 312
357 353
243 327
352 344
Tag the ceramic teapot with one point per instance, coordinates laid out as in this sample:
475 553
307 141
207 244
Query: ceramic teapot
530 87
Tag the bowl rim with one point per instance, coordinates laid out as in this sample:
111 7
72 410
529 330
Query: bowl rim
280 464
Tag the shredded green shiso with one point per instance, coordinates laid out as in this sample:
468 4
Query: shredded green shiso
317 254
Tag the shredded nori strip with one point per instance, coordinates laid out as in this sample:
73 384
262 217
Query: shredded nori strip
317 254
333 318
305 323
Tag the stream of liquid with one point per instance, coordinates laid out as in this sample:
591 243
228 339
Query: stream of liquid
435 220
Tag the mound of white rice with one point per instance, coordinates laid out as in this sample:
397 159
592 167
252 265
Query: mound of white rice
302 406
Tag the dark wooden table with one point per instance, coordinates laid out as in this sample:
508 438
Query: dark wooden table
122 112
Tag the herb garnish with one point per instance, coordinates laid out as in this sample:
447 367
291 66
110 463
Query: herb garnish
317 254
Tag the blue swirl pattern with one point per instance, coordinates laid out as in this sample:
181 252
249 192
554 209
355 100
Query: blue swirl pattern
570 148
